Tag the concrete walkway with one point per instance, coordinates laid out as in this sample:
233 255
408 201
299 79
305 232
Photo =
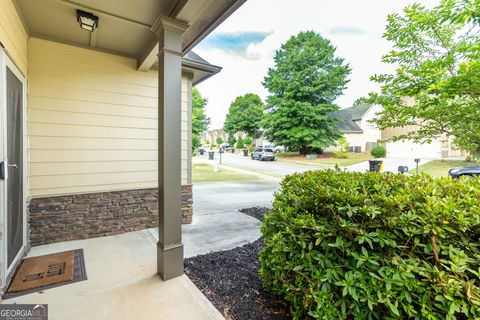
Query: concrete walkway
122 284
217 223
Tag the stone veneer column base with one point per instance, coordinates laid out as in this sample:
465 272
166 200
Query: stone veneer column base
83 216
187 204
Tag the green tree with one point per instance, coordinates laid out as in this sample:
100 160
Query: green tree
219 140
436 84
343 144
361 100
248 140
245 114
196 142
231 140
200 121
303 85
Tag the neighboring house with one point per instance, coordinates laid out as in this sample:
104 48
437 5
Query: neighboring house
356 128
436 149
210 136
95 127
439 148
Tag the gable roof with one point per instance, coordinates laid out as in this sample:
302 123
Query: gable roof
345 121
346 117
359 111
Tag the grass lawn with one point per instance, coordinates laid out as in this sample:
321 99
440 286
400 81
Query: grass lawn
203 172
327 159
439 168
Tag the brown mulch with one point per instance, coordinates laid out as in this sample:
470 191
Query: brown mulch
230 280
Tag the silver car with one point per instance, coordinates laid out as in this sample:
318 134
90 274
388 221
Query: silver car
263 154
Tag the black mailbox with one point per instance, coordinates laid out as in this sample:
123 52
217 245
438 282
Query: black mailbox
402 169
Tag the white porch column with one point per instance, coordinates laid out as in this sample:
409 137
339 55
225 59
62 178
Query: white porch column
170 246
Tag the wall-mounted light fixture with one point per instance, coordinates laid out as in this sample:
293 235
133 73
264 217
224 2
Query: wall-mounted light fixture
87 20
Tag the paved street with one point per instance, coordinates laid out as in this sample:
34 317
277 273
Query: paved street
283 168
275 168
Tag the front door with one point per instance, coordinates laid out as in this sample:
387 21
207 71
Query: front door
12 176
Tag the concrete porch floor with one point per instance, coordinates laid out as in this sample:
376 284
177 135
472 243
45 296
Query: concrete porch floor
122 284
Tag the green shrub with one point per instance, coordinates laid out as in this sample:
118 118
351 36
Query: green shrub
379 152
341 245
340 154
240 143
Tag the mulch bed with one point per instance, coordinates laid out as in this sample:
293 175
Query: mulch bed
256 212
230 280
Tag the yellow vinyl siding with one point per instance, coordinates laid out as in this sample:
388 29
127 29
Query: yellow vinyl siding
388 133
92 121
12 35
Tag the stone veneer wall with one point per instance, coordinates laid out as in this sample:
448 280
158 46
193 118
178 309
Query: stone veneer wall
84 216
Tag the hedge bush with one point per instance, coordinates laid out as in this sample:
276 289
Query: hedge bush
342 245
339 154
378 152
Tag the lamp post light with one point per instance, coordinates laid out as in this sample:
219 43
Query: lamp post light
417 160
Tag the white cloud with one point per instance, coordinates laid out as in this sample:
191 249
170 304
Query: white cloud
354 27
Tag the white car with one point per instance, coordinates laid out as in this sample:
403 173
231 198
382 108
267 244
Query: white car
263 154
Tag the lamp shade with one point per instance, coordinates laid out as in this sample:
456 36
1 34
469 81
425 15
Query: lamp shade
87 20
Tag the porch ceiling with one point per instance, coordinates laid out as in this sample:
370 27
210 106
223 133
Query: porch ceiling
124 25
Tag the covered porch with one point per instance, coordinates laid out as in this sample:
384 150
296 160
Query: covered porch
102 149
122 284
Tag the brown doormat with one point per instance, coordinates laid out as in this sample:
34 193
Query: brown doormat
48 271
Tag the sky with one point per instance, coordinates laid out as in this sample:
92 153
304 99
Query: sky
244 45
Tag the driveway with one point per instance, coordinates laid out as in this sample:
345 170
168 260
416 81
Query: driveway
217 223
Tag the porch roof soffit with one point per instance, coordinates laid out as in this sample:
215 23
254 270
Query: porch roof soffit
125 26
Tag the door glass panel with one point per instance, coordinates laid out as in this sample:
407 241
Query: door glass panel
15 170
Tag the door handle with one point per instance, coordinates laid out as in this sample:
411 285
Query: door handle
4 170
15 166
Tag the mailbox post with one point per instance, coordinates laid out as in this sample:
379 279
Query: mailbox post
220 154
417 160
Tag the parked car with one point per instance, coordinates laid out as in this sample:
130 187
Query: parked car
464 171
263 154
227 147
275 149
